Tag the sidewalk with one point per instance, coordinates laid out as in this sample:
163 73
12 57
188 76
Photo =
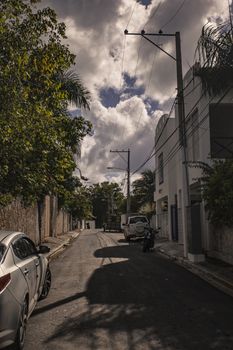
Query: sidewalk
59 243
214 271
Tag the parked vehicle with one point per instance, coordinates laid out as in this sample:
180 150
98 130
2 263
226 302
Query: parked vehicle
113 223
25 278
134 225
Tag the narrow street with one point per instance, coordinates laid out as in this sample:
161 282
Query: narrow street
108 294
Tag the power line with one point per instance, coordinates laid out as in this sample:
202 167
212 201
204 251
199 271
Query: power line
168 138
133 8
175 14
176 147
151 155
155 11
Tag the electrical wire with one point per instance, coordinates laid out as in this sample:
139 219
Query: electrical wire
177 145
122 63
133 8
151 17
151 155
174 15
168 138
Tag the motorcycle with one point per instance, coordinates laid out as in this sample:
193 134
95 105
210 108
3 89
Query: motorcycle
148 240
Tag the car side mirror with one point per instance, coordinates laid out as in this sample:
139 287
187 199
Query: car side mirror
43 249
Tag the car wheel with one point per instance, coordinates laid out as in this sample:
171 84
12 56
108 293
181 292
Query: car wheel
21 332
46 285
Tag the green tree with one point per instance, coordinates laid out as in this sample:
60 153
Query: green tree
106 200
79 204
143 191
38 137
217 190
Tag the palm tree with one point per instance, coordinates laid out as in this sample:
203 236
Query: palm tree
77 94
143 190
215 54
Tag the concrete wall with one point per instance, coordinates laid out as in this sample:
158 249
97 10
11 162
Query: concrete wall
18 218
62 222
221 243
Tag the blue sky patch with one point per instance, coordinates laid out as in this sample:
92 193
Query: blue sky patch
109 97
130 88
144 2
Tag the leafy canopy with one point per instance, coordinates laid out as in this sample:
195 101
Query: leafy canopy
217 190
143 191
106 200
38 137
215 55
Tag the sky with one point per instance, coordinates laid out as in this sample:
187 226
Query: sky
132 83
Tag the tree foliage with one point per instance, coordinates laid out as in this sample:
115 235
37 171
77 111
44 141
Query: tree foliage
215 55
217 191
143 190
79 203
38 137
106 199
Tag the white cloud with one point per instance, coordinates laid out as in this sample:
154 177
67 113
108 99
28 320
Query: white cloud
95 31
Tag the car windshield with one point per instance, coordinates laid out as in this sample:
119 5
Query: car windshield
136 219
2 250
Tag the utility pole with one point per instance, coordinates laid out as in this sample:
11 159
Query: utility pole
181 120
128 174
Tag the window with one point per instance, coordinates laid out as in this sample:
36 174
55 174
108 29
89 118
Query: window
24 248
160 168
136 219
192 134
2 251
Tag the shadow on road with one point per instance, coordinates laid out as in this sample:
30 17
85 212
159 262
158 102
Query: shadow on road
153 302
58 303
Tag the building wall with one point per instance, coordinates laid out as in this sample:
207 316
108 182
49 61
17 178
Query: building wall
18 218
62 222
216 242
198 149
221 244
165 192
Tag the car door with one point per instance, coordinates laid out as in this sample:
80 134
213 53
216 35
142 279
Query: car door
26 258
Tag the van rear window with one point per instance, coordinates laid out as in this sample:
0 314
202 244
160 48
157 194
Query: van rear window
2 250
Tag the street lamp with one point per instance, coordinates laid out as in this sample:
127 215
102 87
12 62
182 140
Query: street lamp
81 176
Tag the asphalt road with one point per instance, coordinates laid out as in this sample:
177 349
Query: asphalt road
108 295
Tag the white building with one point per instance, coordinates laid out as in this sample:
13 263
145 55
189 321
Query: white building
165 175
206 139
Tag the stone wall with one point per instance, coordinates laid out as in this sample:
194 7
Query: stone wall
62 222
18 218
221 244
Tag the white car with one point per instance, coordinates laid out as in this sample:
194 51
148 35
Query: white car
25 278
135 226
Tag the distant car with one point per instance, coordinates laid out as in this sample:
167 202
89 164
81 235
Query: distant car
25 277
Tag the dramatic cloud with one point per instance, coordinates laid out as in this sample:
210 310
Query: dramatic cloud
131 81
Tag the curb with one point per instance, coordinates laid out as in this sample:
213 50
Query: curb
59 249
213 279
